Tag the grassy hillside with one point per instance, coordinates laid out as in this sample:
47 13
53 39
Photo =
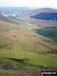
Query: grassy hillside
24 52
38 22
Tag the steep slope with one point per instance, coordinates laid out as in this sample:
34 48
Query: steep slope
4 17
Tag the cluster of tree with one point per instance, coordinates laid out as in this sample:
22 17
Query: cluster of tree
45 16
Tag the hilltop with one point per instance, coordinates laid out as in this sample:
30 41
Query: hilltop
40 10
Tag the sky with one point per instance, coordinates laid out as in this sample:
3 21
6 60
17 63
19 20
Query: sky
29 3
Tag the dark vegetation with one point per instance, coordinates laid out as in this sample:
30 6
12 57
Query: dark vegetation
45 16
50 32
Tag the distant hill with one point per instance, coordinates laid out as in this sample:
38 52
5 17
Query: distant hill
43 13
44 17
40 10
8 10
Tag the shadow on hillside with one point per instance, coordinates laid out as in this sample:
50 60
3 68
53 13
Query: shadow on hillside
50 32
13 66
18 60
10 63
23 61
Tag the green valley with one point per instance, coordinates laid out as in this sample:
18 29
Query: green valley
26 49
